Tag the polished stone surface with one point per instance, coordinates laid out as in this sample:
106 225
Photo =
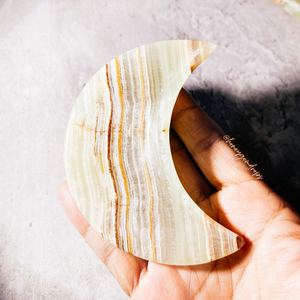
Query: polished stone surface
118 162
50 49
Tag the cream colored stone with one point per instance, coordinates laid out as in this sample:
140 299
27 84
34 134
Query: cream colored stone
119 165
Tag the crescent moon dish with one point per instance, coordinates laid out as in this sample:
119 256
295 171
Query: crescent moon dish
118 160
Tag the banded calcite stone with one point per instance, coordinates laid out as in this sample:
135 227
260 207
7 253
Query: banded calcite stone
118 160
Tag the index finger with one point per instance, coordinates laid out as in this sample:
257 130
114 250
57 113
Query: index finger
204 140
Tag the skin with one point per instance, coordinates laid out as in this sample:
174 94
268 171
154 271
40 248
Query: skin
267 267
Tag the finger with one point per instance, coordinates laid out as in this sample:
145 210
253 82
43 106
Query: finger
218 162
126 268
204 140
190 176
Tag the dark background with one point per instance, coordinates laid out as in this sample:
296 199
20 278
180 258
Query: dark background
266 130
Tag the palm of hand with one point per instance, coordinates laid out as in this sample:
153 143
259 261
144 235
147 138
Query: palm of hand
267 267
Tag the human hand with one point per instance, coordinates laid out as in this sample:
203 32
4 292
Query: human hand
267 267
